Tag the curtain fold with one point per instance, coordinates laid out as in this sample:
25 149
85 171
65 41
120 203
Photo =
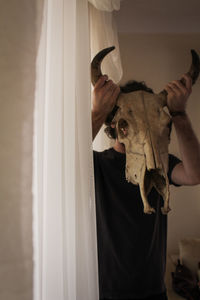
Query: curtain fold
65 243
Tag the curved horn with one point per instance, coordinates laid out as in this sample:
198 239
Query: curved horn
193 73
96 64
195 67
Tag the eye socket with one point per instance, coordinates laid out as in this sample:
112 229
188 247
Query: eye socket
123 128
122 123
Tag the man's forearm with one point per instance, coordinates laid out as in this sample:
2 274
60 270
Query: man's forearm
97 122
189 146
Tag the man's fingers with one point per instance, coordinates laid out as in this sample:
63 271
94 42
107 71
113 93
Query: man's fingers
187 86
188 82
116 92
180 86
174 87
178 93
109 85
105 94
111 95
101 81
108 88
169 89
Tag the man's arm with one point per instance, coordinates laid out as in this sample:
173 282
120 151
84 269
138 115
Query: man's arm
187 172
104 97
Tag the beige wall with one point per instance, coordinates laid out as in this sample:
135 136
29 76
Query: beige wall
158 59
18 39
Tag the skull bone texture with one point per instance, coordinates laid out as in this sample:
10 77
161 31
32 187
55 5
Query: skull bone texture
143 126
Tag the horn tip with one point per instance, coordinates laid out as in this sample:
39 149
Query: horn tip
195 67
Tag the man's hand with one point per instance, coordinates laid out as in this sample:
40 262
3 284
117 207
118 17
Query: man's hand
104 98
178 94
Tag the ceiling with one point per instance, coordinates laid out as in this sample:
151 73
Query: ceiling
156 16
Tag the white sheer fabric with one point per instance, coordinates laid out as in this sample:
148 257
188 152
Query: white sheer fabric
65 243
103 34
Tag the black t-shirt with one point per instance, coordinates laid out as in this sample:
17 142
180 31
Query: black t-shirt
131 244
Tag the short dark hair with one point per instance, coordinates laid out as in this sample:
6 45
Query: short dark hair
129 87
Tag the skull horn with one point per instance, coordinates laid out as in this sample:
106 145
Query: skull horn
96 64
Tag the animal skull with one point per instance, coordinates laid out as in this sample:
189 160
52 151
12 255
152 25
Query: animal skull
142 125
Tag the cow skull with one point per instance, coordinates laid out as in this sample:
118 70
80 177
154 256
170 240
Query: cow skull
142 125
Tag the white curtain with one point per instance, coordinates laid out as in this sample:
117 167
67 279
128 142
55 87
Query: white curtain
65 246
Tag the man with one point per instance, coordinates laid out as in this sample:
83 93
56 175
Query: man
131 244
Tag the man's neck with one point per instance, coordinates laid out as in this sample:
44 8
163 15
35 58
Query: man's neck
119 147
